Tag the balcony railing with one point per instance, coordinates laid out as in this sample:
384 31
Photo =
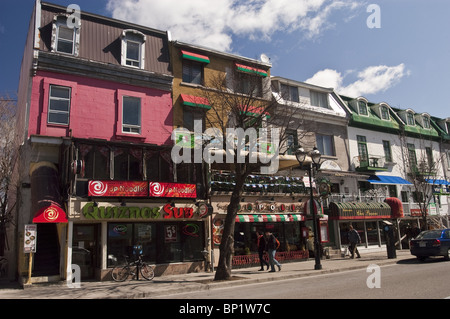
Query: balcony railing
372 163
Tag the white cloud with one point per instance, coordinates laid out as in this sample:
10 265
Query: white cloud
371 80
212 23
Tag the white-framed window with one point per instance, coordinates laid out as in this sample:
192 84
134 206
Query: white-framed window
362 108
131 114
410 119
325 144
290 93
319 99
384 112
59 105
65 38
133 49
426 122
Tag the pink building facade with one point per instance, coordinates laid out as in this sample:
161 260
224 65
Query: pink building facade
96 109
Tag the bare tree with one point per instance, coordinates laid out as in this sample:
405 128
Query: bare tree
244 103
423 169
8 157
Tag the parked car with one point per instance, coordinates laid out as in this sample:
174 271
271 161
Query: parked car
431 243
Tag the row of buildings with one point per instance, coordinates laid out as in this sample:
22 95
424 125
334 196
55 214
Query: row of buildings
98 101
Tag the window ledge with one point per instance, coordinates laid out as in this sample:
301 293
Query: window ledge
126 136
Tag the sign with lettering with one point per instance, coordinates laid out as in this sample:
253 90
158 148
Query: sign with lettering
118 188
172 190
141 189
92 211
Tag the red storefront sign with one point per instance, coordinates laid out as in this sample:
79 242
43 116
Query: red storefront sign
118 188
141 189
172 190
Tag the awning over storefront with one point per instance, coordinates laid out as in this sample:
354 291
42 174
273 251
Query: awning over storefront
357 210
45 194
51 214
396 207
384 179
437 181
262 218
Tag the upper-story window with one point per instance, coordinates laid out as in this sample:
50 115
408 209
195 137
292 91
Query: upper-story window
319 99
362 108
289 93
131 116
426 122
192 72
133 49
59 105
410 119
384 112
65 37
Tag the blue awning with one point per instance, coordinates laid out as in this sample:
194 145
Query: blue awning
437 181
383 179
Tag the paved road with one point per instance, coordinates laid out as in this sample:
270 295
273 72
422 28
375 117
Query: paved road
404 280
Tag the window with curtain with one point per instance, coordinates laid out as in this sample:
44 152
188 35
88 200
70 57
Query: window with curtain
325 144
319 99
192 72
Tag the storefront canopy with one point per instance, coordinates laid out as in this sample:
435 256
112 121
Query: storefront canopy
262 218
357 210
45 194
390 180
437 181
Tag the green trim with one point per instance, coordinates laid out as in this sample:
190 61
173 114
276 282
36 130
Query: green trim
203 106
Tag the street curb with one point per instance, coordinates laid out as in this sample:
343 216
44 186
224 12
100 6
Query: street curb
194 286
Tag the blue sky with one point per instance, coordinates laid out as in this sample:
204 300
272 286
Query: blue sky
405 62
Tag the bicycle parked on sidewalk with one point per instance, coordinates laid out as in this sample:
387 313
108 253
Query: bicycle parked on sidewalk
122 272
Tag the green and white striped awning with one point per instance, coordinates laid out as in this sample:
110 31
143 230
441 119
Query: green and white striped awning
262 218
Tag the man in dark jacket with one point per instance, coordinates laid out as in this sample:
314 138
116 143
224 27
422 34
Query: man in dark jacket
354 239
261 242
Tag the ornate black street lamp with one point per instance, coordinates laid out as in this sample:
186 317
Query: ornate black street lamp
315 155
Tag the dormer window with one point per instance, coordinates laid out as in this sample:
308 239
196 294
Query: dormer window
319 99
362 108
426 122
133 49
384 111
410 119
65 38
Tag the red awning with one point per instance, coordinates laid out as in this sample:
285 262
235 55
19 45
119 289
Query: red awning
50 214
249 69
194 56
195 101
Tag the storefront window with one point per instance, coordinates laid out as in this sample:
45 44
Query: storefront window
288 234
161 242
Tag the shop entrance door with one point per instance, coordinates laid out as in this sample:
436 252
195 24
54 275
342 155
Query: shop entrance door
85 249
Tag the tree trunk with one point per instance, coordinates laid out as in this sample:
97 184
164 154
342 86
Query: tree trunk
224 267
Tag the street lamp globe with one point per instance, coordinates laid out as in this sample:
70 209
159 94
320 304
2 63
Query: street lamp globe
315 155
300 154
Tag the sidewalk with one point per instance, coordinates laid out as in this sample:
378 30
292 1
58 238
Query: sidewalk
166 285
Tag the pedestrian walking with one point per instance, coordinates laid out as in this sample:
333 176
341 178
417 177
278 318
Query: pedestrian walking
261 243
272 246
354 239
